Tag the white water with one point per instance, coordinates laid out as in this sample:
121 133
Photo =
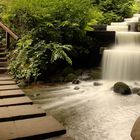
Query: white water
122 62
92 112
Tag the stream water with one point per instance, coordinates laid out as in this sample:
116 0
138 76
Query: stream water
92 112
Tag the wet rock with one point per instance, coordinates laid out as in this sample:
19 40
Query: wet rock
138 93
76 81
137 83
76 88
97 84
121 88
70 77
135 90
35 95
135 133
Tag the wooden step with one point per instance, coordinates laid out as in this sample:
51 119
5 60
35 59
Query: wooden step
11 93
8 87
10 82
25 112
39 128
15 101
3 54
8 130
35 128
4 59
3 70
2 50
5 77
13 113
3 64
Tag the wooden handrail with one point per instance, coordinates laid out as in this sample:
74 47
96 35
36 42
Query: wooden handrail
8 34
12 34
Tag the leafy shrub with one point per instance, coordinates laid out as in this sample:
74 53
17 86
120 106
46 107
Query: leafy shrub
29 61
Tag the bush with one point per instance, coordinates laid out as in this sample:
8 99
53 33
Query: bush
29 61
44 26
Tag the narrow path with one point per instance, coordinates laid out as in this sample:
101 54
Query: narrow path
19 117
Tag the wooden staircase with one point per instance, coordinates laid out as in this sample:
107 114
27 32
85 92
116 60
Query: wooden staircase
3 60
20 118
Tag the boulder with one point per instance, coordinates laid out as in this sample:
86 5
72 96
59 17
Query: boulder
121 88
136 90
135 133
76 88
97 84
70 77
76 81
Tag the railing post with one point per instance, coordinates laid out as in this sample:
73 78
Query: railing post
7 40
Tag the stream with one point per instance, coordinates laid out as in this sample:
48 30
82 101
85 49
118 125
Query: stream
91 112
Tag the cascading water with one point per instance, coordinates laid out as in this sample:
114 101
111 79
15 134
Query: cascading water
122 62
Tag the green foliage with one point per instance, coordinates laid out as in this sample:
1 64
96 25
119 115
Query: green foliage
47 16
51 24
114 10
29 61
136 7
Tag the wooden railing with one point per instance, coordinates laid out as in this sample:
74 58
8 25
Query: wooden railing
9 34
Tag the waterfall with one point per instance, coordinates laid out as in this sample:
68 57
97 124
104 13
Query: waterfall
122 62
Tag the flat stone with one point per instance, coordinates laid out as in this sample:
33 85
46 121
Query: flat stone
4 114
7 131
39 128
8 87
25 112
135 133
15 101
11 93
8 82
5 78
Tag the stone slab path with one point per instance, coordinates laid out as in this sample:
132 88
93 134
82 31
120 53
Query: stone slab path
21 119
11 93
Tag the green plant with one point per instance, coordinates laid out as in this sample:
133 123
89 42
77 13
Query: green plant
29 60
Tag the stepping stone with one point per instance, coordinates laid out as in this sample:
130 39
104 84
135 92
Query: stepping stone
15 101
7 131
8 87
39 128
5 77
4 59
13 113
11 82
25 112
4 114
11 93
3 64
3 70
